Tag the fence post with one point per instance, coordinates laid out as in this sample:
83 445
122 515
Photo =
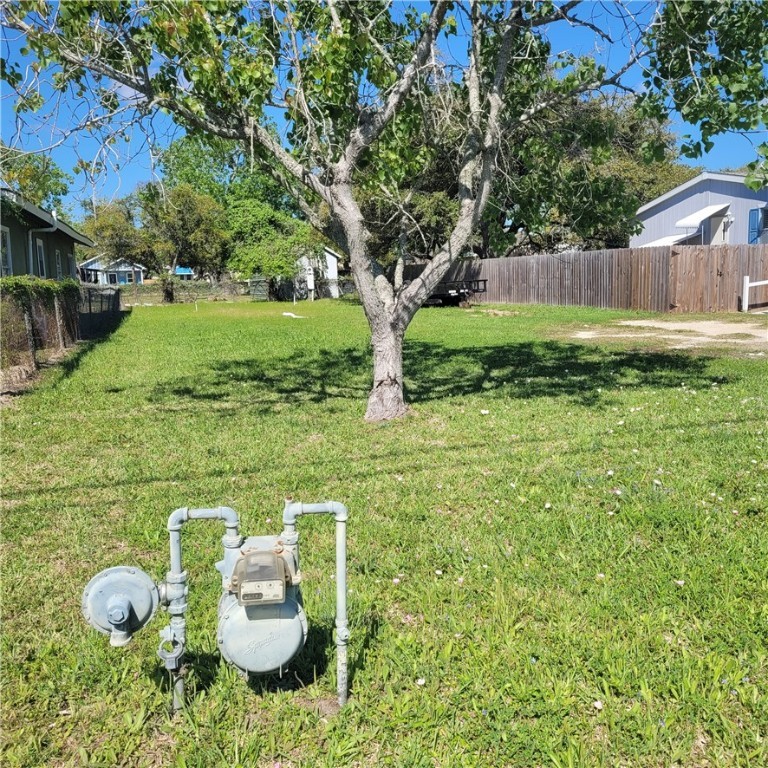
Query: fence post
30 336
745 294
57 312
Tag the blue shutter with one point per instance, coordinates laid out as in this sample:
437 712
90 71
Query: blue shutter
755 220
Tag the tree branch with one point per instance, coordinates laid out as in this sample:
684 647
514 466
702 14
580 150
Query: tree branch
372 126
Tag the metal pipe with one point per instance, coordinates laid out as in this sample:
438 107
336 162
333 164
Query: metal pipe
175 589
342 628
291 512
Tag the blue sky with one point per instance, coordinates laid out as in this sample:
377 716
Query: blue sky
131 163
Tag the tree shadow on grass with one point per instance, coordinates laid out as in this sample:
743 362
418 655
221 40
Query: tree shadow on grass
434 372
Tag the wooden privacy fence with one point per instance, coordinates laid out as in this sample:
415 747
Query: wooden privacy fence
670 278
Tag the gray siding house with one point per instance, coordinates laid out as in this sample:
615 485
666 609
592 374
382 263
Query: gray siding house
102 271
34 241
711 209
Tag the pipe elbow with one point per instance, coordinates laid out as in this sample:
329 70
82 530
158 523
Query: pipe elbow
229 516
177 518
339 510
291 511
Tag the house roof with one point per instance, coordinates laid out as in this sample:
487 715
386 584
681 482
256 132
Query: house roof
48 219
706 176
668 240
97 263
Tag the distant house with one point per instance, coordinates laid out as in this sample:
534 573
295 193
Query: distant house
184 273
324 267
102 271
35 241
710 209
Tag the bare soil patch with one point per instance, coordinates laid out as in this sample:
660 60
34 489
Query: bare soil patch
751 337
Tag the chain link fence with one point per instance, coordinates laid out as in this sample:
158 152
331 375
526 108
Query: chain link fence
36 327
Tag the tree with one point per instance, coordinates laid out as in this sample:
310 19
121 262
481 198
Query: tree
185 228
578 177
267 241
354 80
112 229
35 177
220 169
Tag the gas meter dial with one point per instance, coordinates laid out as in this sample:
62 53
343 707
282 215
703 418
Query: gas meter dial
259 578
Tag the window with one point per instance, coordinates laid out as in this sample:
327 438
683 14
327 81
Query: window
40 258
112 277
6 266
59 273
129 276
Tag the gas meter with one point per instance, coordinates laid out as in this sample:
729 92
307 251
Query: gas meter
262 624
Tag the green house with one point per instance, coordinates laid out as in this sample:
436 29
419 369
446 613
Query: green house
34 241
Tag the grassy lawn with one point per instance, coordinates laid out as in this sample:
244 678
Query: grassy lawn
558 560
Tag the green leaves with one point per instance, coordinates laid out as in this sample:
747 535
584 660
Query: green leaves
709 63
36 177
267 241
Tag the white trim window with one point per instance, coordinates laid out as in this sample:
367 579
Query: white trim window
59 273
40 257
6 265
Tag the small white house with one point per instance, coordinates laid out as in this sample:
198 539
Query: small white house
100 271
710 209
325 267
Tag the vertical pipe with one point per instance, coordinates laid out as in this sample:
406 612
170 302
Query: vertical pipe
745 294
178 692
342 629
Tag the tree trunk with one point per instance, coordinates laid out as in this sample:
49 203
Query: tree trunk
386 399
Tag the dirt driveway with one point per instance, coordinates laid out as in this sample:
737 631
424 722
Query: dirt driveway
748 337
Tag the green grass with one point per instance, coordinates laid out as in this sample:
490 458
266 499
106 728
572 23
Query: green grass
599 535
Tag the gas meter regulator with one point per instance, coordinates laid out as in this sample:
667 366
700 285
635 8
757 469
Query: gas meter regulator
262 624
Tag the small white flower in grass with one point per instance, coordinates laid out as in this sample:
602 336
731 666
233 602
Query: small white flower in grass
438 572
460 580
484 412
680 582
600 575
547 506
269 519
656 481
620 423
616 491
598 705
395 580
609 473
421 681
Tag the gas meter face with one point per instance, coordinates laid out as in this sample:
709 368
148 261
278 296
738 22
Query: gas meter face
259 578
